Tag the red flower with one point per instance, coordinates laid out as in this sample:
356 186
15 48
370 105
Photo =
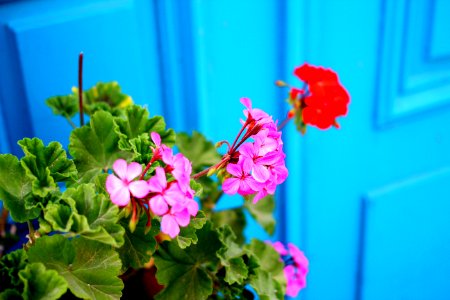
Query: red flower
326 99
311 74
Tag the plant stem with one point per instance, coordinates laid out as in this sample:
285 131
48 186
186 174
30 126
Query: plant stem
71 123
237 137
146 169
284 123
31 231
224 160
80 88
3 221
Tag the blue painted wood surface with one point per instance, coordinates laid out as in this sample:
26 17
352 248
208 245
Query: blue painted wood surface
368 202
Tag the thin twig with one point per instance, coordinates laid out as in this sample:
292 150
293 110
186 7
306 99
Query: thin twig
80 88
71 123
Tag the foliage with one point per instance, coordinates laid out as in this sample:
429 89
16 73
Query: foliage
86 246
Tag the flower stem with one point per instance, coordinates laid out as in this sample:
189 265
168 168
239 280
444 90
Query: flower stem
31 235
223 161
71 123
284 123
80 87
237 137
147 167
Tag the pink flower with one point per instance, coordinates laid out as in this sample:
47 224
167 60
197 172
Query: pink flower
256 114
279 247
119 187
300 259
163 194
161 150
261 159
180 167
242 182
296 267
250 152
176 217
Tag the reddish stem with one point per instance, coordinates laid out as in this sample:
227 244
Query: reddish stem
147 168
281 126
255 129
224 160
149 218
237 137
80 87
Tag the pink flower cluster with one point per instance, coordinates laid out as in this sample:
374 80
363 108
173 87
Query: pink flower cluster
261 166
168 191
296 267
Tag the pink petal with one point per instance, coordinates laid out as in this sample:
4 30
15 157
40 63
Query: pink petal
158 182
167 156
161 177
260 173
299 257
247 102
139 188
234 169
121 197
279 247
183 218
113 184
158 205
173 195
247 165
230 186
170 226
134 170
120 167
253 184
270 158
244 188
156 138
261 194
192 207
292 286
247 150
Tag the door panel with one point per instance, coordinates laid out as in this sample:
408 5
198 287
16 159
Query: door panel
412 262
42 42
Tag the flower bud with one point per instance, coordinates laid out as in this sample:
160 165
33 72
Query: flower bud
280 83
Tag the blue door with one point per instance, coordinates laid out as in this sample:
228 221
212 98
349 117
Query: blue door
369 203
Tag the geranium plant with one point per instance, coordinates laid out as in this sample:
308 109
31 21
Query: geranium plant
131 195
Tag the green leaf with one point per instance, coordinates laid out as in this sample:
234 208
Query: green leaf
186 273
137 124
95 147
66 106
10 266
139 246
140 146
265 286
187 235
269 262
40 283
235 218
198 150
262 212
15 189
94 215
46 165
91 269
10 294
59 216
105 96
231 257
